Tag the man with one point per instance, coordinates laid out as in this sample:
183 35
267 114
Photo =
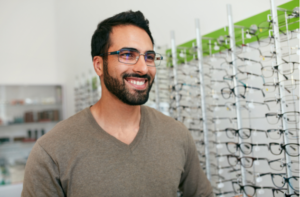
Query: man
118 147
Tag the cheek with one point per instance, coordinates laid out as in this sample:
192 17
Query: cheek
117 70
152 71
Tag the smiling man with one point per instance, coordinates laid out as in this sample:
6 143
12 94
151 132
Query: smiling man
118 147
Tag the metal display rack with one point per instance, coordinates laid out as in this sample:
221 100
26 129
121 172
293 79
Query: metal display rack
226 102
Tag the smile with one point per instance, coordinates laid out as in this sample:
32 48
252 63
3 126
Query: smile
137 83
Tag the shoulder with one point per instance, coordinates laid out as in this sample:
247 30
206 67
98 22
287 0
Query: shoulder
156 117
66 132
165 124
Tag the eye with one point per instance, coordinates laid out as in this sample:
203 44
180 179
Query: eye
150 56
127 54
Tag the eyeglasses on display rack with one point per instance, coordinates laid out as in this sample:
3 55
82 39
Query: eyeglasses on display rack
184 86
276 134
249 61
282 21
283 193
245 161
245 147
279 180
227 92
292 149
243 75
224 193
243 133
280 164
247 104
245 60
131 56
284 69
287 100
189 109
239 170
290 117
217 120
289 85
249 190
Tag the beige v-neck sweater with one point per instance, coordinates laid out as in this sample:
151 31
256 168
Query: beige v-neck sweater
77 158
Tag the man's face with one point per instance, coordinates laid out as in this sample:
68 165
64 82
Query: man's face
129 83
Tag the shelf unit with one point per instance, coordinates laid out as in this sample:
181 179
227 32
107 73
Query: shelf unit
26 113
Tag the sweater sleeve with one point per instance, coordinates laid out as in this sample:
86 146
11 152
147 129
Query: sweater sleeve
41 175
194 182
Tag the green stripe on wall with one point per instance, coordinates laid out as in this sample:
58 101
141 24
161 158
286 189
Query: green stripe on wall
258 19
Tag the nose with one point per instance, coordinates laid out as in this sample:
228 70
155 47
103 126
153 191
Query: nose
141 67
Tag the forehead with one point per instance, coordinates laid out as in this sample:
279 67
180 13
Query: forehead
129 36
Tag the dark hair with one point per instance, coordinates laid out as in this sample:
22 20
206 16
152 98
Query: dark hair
101 40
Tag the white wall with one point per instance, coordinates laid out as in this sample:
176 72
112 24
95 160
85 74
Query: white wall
49 41
27 42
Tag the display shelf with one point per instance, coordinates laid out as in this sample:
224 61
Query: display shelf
26 114
29 124
32 105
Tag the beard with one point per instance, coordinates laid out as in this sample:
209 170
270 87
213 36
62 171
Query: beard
119 89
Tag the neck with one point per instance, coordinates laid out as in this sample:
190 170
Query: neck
115 116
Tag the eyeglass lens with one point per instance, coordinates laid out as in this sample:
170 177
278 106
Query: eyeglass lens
129 56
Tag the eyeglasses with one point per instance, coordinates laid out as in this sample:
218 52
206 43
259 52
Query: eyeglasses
268 71
246 162
131 56
248 104
224 193
290 117
227 92
281 193
279 164
292 149
276 134
279 180
189 109
243 59
249 61
284 69
282 21
242 75
249 190
289 85
246 148
243 133
288 99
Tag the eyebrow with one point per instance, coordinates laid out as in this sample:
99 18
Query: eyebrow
134 49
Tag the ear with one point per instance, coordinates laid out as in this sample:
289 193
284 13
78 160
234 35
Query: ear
98 65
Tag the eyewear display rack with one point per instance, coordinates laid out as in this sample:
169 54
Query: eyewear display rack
248 75
87 91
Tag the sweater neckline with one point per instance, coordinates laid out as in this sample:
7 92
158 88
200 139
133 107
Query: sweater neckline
111 138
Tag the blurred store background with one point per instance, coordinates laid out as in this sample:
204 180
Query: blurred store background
46 67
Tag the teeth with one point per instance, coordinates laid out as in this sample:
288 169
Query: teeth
137 82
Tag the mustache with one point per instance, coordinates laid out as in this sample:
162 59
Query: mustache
146 76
